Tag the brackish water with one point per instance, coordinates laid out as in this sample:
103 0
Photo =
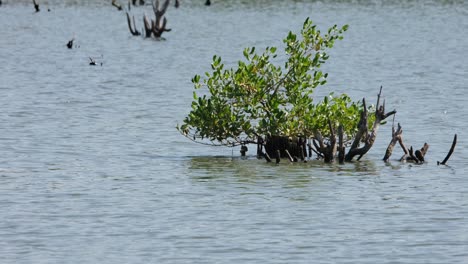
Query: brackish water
92 169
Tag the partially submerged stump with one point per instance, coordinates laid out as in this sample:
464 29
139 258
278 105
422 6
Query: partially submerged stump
397 136
157 26
416 156
153 27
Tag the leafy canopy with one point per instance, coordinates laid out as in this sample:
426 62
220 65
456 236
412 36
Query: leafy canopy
259 98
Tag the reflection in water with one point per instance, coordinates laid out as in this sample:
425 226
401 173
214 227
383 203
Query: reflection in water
290 175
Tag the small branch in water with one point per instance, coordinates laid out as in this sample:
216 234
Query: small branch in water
92 61
291 159
133 30
118 6
396 137
158 27
420 153
454 143
36 6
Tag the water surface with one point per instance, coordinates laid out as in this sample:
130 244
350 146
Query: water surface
92 169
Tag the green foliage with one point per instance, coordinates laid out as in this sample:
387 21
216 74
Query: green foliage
260 98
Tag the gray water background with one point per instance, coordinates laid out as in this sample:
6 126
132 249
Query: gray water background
92 169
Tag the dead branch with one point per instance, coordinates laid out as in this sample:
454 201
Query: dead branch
36 6
412 157
452 148
369 138
133 29
417 156
421 153
396 136
148 26
159 24
316 148
118 6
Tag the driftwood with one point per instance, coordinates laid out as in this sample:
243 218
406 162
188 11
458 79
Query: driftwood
452 148
417 156
328 149
363 134
420 153
158 26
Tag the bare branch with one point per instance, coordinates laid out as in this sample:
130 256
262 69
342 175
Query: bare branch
380 115
36 6
452 148
118 6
